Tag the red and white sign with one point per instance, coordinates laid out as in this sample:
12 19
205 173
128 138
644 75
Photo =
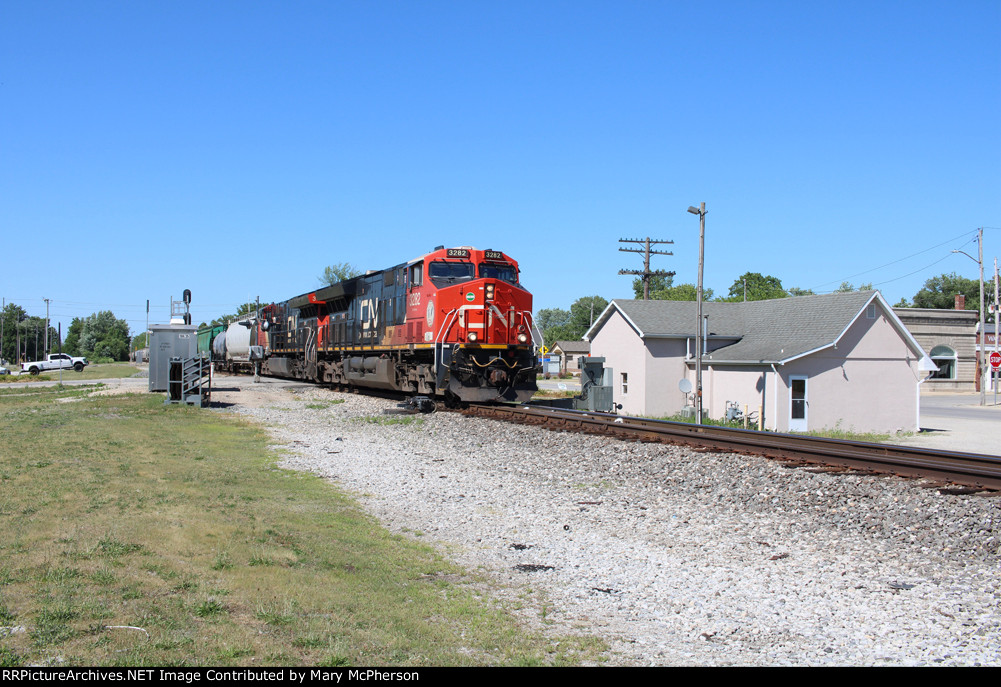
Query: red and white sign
995 359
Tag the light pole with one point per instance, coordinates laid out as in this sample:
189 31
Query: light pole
701 212
983 340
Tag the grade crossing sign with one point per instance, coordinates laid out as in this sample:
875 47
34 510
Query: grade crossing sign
995 359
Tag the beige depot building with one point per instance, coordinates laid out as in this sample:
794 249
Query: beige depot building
840 360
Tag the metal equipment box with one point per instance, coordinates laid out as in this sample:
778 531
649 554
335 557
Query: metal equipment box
168 341
596 385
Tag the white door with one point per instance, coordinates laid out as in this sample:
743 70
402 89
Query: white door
798 405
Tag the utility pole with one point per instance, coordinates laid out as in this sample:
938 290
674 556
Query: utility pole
983 334
981 347
46 327
647 272
997 314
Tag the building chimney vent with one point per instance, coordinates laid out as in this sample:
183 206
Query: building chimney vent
960 302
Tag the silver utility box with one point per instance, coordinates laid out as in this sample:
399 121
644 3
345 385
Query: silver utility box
168 341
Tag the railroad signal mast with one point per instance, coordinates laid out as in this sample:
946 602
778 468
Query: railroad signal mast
646 273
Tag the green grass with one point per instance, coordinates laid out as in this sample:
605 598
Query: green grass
322 405
64 391
834 433
119 512
872 437
554 393
707 421
97 371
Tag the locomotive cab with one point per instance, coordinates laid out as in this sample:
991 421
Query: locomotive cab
479 316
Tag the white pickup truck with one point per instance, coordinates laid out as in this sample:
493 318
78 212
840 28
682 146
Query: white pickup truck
54 361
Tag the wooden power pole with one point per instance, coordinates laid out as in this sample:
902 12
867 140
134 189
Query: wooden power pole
647 272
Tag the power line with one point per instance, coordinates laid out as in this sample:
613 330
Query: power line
914 272
839 281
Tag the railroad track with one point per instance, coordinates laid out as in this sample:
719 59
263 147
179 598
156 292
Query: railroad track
976 472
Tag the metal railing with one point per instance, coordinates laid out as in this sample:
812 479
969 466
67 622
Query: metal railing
189 381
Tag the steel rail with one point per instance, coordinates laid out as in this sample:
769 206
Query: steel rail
969 469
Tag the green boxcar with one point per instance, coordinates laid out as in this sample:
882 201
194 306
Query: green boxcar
205 338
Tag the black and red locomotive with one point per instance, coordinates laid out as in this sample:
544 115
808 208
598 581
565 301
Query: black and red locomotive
455 323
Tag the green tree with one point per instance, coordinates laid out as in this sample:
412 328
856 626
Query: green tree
71 344
102 335
681 292
12 316
796 291
338 272
941 291
758 288
241 312
662 288
658 282
582 313
30 332
848 287
550 318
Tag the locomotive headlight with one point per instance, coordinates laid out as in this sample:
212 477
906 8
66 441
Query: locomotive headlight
522 338
472 337
490 291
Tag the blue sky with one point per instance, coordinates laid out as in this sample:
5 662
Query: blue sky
237 148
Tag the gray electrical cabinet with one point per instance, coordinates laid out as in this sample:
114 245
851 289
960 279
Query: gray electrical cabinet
168 341
596 386
595 389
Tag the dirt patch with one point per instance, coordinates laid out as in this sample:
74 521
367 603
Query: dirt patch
242 390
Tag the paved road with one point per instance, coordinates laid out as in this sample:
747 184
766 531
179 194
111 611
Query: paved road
957 422
559 384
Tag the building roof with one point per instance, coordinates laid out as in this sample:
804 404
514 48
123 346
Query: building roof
771 331
939 315
573 346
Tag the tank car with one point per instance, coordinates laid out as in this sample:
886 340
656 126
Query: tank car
233 347
455 323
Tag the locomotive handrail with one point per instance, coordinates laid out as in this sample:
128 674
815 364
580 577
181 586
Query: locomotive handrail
494 309
439 338
531 325
443 330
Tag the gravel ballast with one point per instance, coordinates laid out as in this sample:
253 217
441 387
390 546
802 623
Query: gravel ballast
674 557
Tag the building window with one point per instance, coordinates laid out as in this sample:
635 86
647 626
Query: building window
945 358
625 383
870 312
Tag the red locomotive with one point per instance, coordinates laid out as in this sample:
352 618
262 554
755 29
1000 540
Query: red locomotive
455 323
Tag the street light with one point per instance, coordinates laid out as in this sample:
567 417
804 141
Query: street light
983 342
701 212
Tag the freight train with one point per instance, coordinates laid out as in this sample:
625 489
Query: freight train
454 323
